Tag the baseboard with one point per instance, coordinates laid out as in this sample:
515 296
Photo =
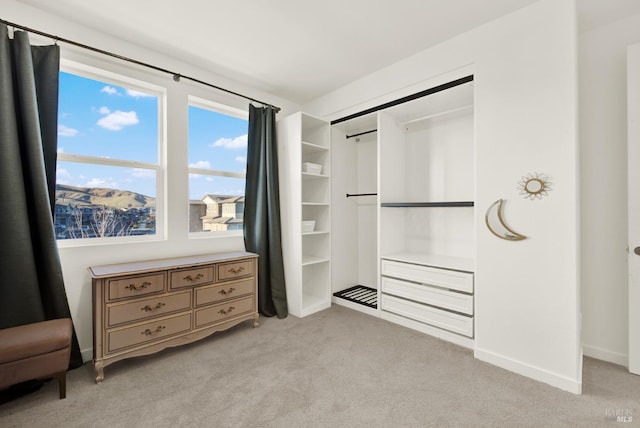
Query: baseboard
571 385
606 355
87 355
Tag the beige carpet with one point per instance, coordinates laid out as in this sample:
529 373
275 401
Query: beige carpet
337 368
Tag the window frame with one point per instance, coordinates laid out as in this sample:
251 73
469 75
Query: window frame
159 168
206 104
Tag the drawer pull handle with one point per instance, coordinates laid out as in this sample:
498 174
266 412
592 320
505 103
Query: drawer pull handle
149 332
236 271
224 293
228 311
134 287
148 308
191 279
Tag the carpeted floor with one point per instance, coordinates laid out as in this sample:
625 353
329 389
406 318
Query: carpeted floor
337 368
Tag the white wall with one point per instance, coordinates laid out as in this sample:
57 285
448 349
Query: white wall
525 67
75 260
603 158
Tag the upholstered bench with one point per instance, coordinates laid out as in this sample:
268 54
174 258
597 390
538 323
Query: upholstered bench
34 351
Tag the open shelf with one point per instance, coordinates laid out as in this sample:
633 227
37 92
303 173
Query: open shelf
427 204
309 260
312 176
311 148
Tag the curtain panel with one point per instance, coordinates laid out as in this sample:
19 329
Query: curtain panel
32 286
262 211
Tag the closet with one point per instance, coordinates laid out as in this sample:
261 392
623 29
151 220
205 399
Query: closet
403 194
400 243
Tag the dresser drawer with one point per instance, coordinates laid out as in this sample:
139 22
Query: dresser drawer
456 323
147 332
430 295
190 277
234 270
133 286
222 311
118 313
220 292
444 278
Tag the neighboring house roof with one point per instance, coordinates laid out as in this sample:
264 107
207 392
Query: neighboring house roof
233 200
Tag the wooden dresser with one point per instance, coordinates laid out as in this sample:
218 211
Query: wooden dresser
143 307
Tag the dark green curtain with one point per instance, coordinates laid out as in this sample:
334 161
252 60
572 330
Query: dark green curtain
32 287
262 211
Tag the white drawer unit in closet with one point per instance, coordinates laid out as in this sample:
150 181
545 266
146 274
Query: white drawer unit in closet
438 297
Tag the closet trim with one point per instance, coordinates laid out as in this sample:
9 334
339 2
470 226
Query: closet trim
402 100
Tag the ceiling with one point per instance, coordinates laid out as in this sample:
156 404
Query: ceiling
295 49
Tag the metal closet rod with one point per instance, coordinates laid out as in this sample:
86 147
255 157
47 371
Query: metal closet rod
351 195
361 133
408 98
176 76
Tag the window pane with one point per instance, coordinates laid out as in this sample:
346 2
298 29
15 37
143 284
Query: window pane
217 142
95 201
102 119
218 209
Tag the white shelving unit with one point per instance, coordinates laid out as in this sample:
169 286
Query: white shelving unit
305 196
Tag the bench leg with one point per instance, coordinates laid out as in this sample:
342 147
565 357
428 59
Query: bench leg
62 383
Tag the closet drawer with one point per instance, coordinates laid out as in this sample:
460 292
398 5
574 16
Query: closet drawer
119 313
456 323
220 292
223 311
143 333
190 277
430 295
444 278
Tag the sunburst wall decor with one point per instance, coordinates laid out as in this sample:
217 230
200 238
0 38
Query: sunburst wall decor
534 186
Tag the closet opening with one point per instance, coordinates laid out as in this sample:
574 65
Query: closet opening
403 238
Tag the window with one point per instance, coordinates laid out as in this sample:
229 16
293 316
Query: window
217 168
109 158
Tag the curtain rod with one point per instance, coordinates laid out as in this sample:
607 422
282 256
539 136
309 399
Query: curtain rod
176 76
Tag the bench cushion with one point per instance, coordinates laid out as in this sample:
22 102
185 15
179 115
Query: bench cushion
35 339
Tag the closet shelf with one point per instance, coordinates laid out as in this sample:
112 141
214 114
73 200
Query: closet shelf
312 176
311 148
426 204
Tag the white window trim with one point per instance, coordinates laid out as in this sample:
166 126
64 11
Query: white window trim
160 168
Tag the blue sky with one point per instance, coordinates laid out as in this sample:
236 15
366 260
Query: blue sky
106 120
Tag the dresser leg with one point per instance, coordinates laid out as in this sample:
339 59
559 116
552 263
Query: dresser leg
99 366
255 321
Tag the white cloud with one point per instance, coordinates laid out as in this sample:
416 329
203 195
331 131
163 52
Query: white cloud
137 94
102 182
241 159
104 110
118 119
65 131
60 149
62 176
110 90
210 179
201 164
232 143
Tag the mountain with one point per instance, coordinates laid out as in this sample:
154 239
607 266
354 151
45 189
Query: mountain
78 196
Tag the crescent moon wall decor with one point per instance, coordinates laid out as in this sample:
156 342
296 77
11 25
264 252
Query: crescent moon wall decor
496 225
